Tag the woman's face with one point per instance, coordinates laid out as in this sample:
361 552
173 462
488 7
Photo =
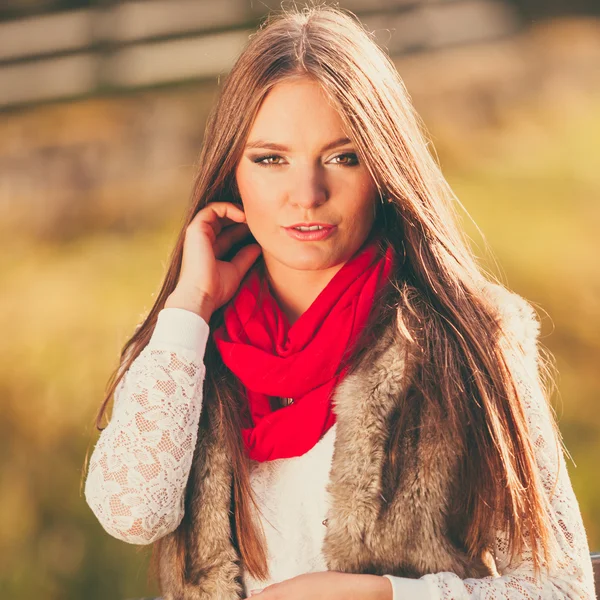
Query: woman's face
299 166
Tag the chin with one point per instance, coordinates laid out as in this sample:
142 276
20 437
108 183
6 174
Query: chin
310 261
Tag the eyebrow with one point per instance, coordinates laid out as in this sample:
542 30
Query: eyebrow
282 148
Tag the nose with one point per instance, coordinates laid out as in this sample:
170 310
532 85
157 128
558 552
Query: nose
308 187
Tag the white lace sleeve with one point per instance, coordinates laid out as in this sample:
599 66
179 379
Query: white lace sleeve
571 577
140 465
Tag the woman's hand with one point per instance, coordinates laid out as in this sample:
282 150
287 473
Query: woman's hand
328 585
205 282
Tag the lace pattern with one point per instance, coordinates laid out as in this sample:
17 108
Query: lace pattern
140 465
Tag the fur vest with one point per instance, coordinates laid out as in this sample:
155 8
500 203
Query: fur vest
406 535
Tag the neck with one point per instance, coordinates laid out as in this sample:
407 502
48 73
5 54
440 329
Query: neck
295 290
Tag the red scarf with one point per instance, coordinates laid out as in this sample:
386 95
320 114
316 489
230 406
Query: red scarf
304 361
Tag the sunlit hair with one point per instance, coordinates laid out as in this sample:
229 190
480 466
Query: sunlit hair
454 331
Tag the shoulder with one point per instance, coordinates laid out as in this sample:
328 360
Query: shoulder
518 318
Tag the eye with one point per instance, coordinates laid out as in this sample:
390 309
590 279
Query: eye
349 159
262 160
351 162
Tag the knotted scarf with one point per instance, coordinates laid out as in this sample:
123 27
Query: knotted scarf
303 361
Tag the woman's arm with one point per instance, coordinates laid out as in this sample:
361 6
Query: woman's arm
571 577
140 465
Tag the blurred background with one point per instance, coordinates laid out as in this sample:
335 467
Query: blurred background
102 112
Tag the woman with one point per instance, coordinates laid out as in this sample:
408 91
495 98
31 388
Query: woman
329 398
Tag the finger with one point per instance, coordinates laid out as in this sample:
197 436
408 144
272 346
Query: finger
218 215
228 237
222 212
245 258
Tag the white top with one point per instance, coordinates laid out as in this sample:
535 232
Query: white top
140 466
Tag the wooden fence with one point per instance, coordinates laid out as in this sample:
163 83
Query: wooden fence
143 43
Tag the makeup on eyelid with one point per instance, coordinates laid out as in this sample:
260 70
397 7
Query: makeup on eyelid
259 160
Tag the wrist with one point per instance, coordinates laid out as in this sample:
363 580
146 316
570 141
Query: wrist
202 305
373 587
382 588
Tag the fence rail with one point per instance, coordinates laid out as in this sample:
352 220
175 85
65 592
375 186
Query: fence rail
141 43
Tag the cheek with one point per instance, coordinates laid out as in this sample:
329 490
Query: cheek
259 208
249 188
364 202
259 200
246 184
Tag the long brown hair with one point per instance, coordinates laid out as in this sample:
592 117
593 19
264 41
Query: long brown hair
457 333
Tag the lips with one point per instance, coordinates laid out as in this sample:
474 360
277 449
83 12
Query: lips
311 234
310 225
